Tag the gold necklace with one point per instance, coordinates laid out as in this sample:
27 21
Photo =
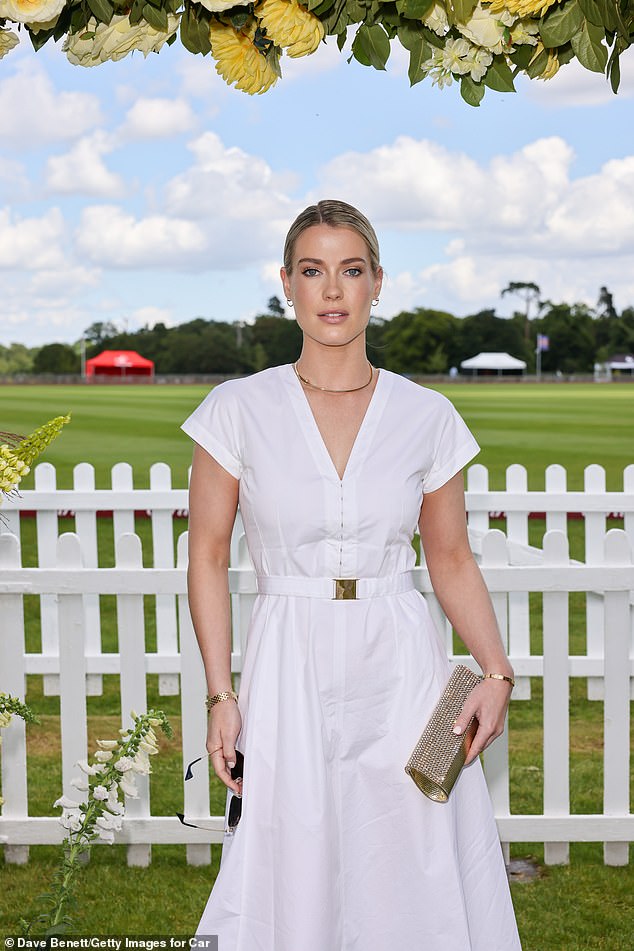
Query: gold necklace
324 389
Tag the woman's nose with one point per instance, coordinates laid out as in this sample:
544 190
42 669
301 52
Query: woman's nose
332 290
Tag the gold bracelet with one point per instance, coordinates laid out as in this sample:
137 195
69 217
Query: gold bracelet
509 680
217 697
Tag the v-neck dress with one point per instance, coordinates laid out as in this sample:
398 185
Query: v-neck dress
336 848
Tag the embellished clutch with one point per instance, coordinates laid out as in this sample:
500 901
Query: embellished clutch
439 755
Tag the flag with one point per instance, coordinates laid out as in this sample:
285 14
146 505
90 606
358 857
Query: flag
543 342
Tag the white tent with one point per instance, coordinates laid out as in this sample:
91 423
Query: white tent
493 362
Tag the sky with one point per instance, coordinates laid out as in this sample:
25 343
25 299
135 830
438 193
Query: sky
148 190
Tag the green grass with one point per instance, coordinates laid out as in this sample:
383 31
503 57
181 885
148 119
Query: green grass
581 907
535 425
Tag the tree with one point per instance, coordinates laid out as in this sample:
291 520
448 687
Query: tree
420 341
278 338
99 332
529 293
56 358
570 331
605 305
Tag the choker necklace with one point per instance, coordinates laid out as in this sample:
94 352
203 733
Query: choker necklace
324 389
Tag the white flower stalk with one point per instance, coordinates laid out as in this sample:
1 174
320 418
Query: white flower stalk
100 816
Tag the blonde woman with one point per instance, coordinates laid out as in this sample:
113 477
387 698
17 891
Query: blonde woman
335 464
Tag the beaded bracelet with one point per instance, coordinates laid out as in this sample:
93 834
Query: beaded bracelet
509 680
217 697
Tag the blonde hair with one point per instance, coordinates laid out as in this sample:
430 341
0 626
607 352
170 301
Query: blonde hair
336 214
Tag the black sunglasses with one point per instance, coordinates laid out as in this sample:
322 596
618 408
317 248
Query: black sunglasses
235 804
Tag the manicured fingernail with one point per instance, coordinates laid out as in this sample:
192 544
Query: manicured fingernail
457 730
231 765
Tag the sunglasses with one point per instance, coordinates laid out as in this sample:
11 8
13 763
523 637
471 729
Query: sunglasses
235 804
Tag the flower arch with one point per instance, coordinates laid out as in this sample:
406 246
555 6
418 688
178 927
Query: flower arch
477 43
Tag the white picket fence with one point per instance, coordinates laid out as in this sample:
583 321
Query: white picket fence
69 583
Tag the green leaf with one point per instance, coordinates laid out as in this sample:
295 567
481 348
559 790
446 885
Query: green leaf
499 76
592 12
40 38
539 64
156 18
136 12
371 46
560 25
471 91
522 55
588 47
319 7
102 10
414 9
615 72
189 32
463 10
419 52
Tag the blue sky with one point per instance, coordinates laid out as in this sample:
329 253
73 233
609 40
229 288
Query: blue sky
148 190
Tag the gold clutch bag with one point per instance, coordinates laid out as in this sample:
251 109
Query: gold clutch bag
439 755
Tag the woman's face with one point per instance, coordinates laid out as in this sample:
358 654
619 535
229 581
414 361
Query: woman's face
331 284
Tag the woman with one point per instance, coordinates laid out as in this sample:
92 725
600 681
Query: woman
335 464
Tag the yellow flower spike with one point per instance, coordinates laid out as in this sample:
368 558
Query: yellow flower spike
290 26
552 66
30 448
523 8
239 61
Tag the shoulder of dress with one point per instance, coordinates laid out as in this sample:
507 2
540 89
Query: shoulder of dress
421 396
247 386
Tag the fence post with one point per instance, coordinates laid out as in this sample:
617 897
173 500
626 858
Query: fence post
519 619
163 552
194 719
72 667
86 529
47 530
131 637
594 482
13 681
628 525
556 482
122 519
556 703
616 707
496 757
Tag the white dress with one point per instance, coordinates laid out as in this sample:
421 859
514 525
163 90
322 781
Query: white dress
337 849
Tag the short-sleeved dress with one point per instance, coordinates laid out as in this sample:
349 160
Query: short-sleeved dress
337 849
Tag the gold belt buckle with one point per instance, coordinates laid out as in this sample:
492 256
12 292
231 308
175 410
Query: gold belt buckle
345 589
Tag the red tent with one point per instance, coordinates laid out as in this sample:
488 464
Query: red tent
121 363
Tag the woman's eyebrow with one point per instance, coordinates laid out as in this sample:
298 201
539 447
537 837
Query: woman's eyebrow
319 261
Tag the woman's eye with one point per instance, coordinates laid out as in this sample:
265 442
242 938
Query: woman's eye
310 271
353 271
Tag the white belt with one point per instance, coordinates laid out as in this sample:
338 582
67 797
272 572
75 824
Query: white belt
335 589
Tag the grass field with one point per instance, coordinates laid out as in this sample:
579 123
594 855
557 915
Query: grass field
583 907
535 425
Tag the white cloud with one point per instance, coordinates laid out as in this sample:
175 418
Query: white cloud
82 169
578 87
157 119
112 237
14 182
33 112
149 316
31 243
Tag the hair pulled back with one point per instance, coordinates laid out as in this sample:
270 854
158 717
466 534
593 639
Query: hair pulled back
336 214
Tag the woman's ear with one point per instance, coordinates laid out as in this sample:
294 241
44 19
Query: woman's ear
378 282
285 283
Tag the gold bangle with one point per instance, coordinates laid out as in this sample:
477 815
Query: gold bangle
509 680
217 697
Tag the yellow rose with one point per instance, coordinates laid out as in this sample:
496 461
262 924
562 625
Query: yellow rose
238 60
487 29
290 26
8 40
100 42
30 11
523 8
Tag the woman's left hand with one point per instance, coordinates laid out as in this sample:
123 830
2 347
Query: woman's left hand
488 702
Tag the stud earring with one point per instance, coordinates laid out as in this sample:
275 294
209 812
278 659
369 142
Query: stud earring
289 302
375 302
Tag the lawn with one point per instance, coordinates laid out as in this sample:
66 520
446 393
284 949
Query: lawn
582 907
535 425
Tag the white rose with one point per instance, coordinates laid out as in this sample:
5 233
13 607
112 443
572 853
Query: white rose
8 40
100 41
31 11
100 792
436 19
487 30
525 32
124 764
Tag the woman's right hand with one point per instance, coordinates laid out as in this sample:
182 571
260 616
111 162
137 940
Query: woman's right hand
223 728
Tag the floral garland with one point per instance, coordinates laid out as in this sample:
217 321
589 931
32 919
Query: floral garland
481 44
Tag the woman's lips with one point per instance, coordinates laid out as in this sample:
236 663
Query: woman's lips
333 316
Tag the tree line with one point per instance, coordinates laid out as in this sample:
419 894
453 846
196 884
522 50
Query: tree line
421 341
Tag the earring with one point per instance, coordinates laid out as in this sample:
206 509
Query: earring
289 302
375 302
